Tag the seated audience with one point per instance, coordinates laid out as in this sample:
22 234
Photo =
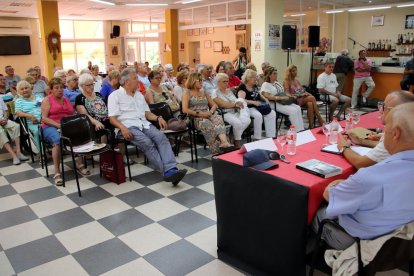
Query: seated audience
328 85
220 67
142 74
234 81
13 130
61 74
97 80
11 77
180 88
169 80
183 66
157 93
293 88
40 76
201 107
265 65
235 111
92 104
251 66
109 69
254 99
209 85
55 107
272 90
39 87
111 85
378 153
5 93
376 200
27 106
129 113
72 88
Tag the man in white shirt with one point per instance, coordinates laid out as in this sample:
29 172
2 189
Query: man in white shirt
327 84
129 113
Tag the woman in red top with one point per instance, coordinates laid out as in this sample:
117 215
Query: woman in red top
54 107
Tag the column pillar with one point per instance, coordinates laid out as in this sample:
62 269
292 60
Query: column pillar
171 37
265 12
49 22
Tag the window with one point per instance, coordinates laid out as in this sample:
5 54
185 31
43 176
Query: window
82 41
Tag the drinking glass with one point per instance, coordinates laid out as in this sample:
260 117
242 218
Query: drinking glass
356 118
326 129
282 139
380 106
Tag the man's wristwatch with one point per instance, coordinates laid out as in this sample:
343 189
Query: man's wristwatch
344 148
158 118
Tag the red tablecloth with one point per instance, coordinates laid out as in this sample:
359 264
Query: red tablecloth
308 151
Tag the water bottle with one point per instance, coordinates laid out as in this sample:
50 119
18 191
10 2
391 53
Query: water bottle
333 138
291 140
348 121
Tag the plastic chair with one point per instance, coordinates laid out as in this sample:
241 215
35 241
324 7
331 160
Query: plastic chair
393 254
77 130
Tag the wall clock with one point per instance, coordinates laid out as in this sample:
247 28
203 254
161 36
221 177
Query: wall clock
53 43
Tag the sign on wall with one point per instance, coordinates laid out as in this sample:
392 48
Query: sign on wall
274 36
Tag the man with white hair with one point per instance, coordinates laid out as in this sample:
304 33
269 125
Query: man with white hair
143 74
376 200
265 65
343 65
129 112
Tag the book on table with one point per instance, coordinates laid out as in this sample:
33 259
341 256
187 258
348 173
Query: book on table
319 168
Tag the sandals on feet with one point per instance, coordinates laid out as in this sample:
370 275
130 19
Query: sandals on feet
83 170
58 179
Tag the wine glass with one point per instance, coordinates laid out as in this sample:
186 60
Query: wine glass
326 129
380 106
282 139
356 118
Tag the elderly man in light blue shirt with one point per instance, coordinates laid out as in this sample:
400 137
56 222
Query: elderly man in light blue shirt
376 200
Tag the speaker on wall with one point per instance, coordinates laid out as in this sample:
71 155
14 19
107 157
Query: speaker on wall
289 37
314 36
115 31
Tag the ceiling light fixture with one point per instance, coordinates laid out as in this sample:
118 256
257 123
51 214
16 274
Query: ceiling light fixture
369 8
189 1
405 5
145 4
298 14
334 11
103 2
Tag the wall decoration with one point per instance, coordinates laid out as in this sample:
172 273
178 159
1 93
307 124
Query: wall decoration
210 30
377 20
409 21
181 46
226 50
258 41
207 43
274 36
203 31
196 32
190 32
217 46
240 40
53 43
114 51
241 27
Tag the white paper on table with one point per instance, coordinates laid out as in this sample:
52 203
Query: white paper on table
304 137
266 144
358 149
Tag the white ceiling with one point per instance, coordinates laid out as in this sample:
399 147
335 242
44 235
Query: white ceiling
85 9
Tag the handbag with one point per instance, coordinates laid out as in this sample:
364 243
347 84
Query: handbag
264 108
289 101
112 166
175 124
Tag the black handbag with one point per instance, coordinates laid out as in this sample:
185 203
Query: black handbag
289 101
264 108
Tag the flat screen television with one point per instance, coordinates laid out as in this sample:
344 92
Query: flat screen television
15 45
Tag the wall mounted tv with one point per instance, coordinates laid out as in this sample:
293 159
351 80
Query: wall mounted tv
15 45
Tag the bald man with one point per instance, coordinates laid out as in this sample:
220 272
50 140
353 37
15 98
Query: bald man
378 153
376 200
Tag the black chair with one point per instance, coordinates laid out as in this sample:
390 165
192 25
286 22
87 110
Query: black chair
247 133
44 146
393 254
327 102
25 136
77 130
281 116
163 109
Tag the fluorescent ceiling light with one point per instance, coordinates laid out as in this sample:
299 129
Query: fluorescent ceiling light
405 5
145 4
369 8
298 14
334 11
103 2
187 2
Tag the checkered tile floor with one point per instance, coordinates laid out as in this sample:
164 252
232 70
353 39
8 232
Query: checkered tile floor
143 227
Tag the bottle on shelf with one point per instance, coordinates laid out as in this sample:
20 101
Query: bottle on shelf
333 138
291 140
369 46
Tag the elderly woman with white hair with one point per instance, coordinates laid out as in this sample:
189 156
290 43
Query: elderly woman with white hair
61 74
235 110
111 85
72 88
169 80
93 105
209 84
258 105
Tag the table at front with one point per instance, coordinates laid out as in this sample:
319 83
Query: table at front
262 216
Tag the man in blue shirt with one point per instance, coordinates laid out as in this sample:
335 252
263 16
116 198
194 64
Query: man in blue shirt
376 200
408 78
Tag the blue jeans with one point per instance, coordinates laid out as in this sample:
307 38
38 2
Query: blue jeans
155 146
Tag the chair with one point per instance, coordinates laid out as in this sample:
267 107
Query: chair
24 136
393 254
77 130
43 145
327 102
163 109
281 116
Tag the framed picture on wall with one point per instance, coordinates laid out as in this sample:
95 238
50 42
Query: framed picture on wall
114 51
203 31
409 21
210 30
377 20
217 46
182 46
190 32
241 27
207 43
196 32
